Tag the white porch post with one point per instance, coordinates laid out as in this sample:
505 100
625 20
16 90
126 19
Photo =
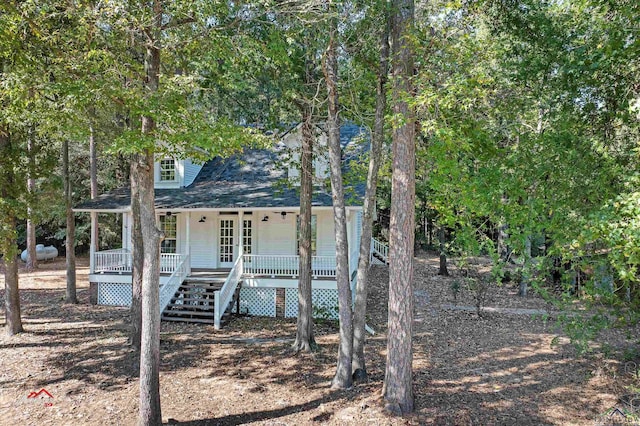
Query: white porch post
240 233
187 249
94 242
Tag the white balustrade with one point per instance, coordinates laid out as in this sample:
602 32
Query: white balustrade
223 297
120 261
381 249
117 260
279 266
169 288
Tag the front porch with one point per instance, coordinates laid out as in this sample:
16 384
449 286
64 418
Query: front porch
264 285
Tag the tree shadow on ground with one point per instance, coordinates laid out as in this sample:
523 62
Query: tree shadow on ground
243 418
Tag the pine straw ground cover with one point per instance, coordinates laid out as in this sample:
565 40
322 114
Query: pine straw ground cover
497 369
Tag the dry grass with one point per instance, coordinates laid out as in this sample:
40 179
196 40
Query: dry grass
499 369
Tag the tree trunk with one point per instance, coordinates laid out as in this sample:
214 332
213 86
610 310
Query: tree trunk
137 257
32 259
11 292
70 243
8 246
443 254
150 411
526 268
304 334
398 384
93 172
368 210
343 378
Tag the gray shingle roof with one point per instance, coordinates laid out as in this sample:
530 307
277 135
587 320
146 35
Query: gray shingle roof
252 179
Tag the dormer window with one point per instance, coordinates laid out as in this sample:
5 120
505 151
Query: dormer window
168 170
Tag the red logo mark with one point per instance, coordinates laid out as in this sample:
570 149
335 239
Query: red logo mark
42 393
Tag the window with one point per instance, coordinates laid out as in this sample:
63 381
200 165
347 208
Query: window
168 170
169 225
314 234
247 236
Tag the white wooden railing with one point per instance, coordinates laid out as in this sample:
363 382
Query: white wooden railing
274 266
120 260
116 260
169 288
223 297
381 249
169 262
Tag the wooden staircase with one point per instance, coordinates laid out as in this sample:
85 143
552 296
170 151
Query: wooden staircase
194 301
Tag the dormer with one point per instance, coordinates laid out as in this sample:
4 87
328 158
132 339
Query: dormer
172 173
292 140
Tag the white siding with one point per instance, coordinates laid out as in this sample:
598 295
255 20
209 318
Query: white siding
277 235
326 241
203 240
191 170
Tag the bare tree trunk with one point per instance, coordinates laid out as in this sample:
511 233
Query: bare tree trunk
8 245
11 292
150 410
398 382
70 242
137 257
343 378
304 334
150 413
32 259
443 254
368 210
93 173
526 268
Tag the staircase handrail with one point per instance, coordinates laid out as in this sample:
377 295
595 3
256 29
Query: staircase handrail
169 288
223 297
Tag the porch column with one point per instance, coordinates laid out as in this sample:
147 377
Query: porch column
94 242
187 242
240 233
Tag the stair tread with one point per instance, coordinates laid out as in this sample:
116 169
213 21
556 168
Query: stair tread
205 307
171 312
199 320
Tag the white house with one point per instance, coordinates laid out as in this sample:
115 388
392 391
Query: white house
231 237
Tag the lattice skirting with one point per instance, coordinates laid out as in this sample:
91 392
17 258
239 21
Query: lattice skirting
325 303
258 301
114 294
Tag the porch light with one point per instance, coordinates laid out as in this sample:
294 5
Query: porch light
169 214
203 219
284 215
265 219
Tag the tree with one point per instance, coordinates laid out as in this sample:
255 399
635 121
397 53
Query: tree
368 209
304 330
70 296
343 377
32 258
8 246
398 381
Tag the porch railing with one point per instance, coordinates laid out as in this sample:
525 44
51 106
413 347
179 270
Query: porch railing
116 260
379 252
169 262
120 261
223 297
321 266
169 288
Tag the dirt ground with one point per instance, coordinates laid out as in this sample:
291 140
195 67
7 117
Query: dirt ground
508 367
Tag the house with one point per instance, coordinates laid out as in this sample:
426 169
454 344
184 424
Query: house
231 237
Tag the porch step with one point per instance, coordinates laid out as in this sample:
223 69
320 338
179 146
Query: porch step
194 302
